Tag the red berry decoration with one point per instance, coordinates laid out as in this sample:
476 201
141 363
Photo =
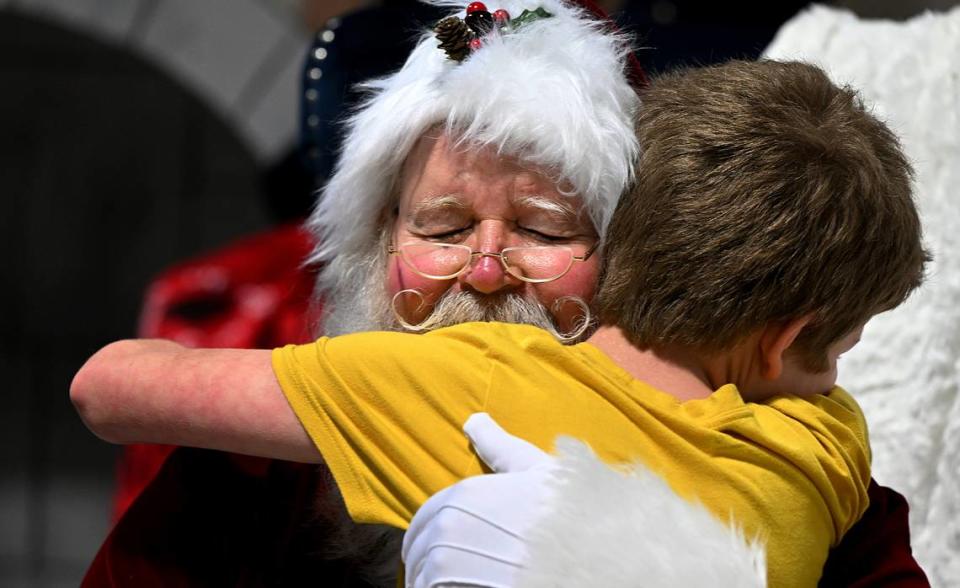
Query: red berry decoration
475 44
475 6
501 16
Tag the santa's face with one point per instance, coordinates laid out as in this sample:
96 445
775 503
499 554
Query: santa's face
487 202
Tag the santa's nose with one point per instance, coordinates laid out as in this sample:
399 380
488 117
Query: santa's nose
486 273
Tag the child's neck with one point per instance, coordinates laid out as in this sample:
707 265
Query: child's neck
679 372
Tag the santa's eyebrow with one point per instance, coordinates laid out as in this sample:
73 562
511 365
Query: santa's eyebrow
426 211
561 209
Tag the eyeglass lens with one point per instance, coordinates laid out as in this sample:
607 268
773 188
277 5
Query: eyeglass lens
538 263
435 260
438 260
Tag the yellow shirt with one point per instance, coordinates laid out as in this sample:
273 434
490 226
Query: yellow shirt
386 411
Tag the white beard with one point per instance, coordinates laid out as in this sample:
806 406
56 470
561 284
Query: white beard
353 288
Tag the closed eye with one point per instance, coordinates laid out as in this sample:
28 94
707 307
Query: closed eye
545 237
450 235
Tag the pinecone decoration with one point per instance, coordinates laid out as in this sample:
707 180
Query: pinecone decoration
454 36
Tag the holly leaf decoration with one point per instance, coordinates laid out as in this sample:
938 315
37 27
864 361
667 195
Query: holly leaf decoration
528 16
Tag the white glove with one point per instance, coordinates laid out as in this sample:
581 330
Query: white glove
472 533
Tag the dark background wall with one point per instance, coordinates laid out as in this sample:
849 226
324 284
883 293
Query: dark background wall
109 171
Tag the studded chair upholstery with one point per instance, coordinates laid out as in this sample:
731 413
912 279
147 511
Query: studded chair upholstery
361 45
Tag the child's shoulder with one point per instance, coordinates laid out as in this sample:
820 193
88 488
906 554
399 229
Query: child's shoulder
835 412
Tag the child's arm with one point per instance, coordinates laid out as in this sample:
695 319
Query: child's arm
157 391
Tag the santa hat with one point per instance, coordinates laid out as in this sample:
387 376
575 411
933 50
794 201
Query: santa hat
557 92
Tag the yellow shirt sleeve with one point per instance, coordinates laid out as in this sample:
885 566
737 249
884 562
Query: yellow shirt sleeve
385 410
839 465
814 455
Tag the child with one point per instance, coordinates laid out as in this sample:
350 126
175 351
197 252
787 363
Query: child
771 218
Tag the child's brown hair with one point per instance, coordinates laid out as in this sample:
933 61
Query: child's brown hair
764 193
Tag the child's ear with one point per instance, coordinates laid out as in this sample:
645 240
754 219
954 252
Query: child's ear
775 339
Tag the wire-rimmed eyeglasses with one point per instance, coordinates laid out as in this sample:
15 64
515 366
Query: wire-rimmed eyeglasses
534 264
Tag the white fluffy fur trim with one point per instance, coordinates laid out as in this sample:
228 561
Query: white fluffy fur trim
554 93
628 528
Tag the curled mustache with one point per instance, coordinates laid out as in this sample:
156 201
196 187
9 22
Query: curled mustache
455 308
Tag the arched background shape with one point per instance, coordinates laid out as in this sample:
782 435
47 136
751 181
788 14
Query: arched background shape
241 57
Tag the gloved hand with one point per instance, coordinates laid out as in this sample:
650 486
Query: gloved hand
472 533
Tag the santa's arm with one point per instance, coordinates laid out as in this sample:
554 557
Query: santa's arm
156 391
536 522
